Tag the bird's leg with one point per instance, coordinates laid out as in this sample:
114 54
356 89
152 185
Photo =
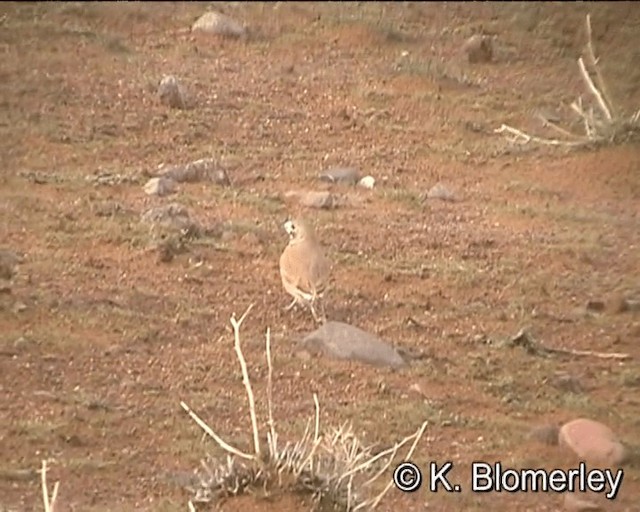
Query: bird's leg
288 308
318 318
313 312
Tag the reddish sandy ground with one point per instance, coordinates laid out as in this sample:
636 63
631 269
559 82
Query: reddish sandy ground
99 340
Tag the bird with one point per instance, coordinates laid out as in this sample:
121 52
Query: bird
304 269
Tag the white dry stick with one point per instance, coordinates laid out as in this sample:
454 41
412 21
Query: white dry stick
377 500
245 379
591 54
546 122
593 89
49 504
316 403
192 507
209 431
527 138
273 436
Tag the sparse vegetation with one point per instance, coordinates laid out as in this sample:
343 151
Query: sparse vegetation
107 321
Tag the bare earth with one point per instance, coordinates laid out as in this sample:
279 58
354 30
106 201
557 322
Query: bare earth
100 339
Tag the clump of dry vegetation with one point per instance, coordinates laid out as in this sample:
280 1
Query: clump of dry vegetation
602 121
332 466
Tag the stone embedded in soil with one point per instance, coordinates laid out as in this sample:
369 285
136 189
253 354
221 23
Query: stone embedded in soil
218 24
367 182
347 175
322 200
8 262
172 93
595 305
442 192
204 169
160 187
478 48
623 304
547 434
344 341
593 442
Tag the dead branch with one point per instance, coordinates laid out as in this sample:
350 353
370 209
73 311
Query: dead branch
49 503
593 61
601 355
272 436
605 127
594 90
209 431
245 379
518 134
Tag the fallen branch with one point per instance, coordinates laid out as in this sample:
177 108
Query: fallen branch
601 355
525 340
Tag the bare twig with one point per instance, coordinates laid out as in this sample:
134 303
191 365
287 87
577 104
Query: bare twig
606 127
546 122
376 501
245 379
594 90
593 61
528 138
49 503
209 431
316 432
601 355
273 436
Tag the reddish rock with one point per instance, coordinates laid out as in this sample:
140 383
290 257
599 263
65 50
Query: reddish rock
592 442
576 502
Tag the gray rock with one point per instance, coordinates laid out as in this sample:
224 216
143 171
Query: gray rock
160 187
218 24
344 341
349 175
205 169
442 192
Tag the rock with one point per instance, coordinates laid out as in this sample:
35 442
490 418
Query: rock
442 192
344 341
595 305
547 434
574 502
625 305
160 187
171 93
367 182
8 262
592 442
314 199
218 24
478 49
348 175
205 169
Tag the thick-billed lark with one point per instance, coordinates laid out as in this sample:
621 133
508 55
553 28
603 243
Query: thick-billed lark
304 269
